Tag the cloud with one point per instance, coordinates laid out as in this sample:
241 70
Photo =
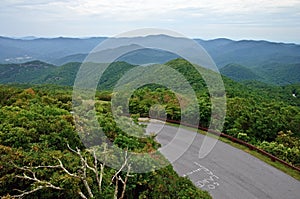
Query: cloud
141 9
120 15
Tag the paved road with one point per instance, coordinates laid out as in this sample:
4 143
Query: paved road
226 172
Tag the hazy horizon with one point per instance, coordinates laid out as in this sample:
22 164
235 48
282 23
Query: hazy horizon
32 37
270 20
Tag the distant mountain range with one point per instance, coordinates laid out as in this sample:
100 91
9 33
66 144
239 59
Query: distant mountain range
37 72
276 73
44 49
275 63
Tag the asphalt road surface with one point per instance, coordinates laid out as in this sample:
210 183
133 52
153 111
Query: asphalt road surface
226 172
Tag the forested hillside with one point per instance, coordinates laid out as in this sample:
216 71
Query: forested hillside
275 63
263 115
275 73
43 157
38 139
239 73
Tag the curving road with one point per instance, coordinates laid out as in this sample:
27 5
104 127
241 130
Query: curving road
226 172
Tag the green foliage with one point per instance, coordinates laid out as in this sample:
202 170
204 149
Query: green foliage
112 74
280 74
165 184
256 112
273 73
286 147
36 126
239 73
143 99
243 136
261 120
25 72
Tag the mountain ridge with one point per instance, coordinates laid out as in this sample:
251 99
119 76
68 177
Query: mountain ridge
251 54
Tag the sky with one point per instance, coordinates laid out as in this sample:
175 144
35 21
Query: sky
272 20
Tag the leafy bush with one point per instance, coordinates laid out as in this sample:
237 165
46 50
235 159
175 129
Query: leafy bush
285 147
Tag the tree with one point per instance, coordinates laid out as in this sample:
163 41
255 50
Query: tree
96 170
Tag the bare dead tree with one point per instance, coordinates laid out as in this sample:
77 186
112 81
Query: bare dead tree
32 177
82 174
117 177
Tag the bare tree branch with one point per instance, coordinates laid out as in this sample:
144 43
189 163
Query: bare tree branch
125 181
41 167
82 174
66 170
35 179
118 178
85 182
28 192
94 168
116 189
102 166
82 195
122 167
43 184
84 166
71 148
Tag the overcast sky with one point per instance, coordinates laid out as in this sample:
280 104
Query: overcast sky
274 20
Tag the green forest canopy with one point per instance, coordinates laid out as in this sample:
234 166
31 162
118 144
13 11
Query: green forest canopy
36 126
